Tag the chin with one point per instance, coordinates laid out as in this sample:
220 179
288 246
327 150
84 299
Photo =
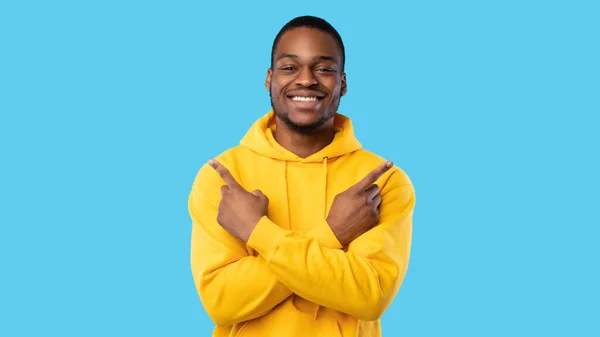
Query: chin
305 118
302 122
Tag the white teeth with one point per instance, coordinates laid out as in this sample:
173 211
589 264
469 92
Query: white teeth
304 99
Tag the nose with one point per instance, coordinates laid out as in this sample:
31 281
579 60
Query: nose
305 78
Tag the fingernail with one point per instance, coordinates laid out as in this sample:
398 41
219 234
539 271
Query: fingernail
389 164
211 162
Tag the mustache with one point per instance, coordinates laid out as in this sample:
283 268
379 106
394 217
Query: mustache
316 88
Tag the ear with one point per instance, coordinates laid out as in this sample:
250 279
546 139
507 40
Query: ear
344 85
268 80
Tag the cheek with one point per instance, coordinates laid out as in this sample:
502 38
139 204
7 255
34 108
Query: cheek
274 88
277 91
334 86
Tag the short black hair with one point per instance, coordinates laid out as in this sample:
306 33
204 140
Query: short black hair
309 21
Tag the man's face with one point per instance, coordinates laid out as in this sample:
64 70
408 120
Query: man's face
306 81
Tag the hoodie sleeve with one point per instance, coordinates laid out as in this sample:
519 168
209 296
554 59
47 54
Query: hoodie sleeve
233 286
361 281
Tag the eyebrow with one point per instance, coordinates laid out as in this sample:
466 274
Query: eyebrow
316 58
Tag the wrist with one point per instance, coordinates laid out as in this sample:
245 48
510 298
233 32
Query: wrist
339 234
250 226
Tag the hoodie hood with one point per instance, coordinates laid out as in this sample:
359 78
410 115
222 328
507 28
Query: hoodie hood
260 139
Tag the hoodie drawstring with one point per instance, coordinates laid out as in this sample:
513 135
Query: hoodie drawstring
325 187
318 307
287 197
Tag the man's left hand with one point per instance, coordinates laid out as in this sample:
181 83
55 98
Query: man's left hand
239 210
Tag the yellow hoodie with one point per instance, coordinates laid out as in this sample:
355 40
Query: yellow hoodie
293 277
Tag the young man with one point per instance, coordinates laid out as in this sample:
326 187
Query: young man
298 231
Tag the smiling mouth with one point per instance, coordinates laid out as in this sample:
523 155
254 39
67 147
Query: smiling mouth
305 98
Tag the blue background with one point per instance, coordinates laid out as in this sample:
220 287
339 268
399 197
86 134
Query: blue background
109 108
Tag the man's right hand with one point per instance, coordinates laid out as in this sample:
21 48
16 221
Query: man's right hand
355 210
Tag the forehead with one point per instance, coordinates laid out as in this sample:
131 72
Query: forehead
307 43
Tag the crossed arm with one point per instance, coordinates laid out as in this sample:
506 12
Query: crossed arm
362 281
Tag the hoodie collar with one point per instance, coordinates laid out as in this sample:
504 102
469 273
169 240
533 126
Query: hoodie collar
260 139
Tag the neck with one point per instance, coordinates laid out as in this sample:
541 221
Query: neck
304 145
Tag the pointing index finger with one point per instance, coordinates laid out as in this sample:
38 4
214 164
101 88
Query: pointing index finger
372 176
224 173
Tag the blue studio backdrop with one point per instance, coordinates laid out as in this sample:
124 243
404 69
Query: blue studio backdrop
109 108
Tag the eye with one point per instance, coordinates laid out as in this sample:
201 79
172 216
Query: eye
325 70
287 68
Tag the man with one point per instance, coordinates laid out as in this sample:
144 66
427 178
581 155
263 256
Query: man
298 231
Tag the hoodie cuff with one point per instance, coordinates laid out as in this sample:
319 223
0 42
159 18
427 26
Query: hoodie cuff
265 237
325 236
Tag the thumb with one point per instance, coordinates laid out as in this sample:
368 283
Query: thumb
260 195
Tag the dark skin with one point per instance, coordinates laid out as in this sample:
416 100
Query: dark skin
305 84
306 62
